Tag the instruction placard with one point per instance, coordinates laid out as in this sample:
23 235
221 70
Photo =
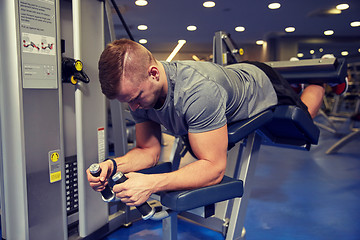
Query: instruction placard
38 43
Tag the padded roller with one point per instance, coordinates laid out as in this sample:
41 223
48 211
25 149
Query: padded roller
291 125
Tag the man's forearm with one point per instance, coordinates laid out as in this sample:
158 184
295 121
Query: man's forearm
136 159
198 174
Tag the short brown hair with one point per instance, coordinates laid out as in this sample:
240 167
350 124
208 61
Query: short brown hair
111 64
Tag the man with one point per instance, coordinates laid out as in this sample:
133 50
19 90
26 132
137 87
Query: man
197 99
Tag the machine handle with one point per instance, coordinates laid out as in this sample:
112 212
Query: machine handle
145 209
107 194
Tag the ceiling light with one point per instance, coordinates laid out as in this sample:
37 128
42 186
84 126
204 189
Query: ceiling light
209 4
328 32
333 11
321 49
343 6
260 42
290 29
355 24
359 50
312 51
239 29
300 55
176 50
344 53
142 27
143 41
191 28
274 5
141 3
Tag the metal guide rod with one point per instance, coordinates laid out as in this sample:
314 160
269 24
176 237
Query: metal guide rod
76 14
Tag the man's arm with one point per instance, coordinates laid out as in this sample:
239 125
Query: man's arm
211 151
146 154
147 151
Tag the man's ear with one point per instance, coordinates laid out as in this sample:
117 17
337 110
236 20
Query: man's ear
154 72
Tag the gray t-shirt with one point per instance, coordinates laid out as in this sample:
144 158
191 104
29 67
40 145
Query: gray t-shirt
204 96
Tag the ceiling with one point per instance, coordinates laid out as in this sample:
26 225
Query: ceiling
167 21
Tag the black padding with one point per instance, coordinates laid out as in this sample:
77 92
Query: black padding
180 201
334 73
291 125
239 130
160 168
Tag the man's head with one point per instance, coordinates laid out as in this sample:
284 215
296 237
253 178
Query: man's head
123 59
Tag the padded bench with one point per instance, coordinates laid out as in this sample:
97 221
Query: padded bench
283 124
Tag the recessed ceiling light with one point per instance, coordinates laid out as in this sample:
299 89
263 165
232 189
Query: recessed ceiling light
344 53
274 5
209 4
333 11
290 29
141 3
321 49
191 28
328 32
260 42
343 6
312 51
142 27
300 55
143 41
355 24
240 29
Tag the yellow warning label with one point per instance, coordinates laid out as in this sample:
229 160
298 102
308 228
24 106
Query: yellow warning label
54 177
54 157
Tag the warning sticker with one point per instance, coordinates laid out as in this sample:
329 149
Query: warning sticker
101 144
54 166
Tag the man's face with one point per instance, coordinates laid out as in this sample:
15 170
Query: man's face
139 94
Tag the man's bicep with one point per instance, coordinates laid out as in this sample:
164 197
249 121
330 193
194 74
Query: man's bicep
211 146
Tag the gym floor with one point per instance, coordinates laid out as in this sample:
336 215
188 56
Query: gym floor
296 195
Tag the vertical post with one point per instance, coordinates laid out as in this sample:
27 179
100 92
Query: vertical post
29 118
170 225
90 110
246 174
14 203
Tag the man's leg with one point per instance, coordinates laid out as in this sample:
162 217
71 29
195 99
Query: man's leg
312 97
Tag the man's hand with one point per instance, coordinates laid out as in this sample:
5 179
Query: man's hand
136 190
99 183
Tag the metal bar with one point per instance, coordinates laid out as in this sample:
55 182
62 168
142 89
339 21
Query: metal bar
13 181
247 171
122 20
305 65
169 226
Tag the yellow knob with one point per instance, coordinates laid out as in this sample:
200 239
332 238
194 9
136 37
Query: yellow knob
78 65
73 80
